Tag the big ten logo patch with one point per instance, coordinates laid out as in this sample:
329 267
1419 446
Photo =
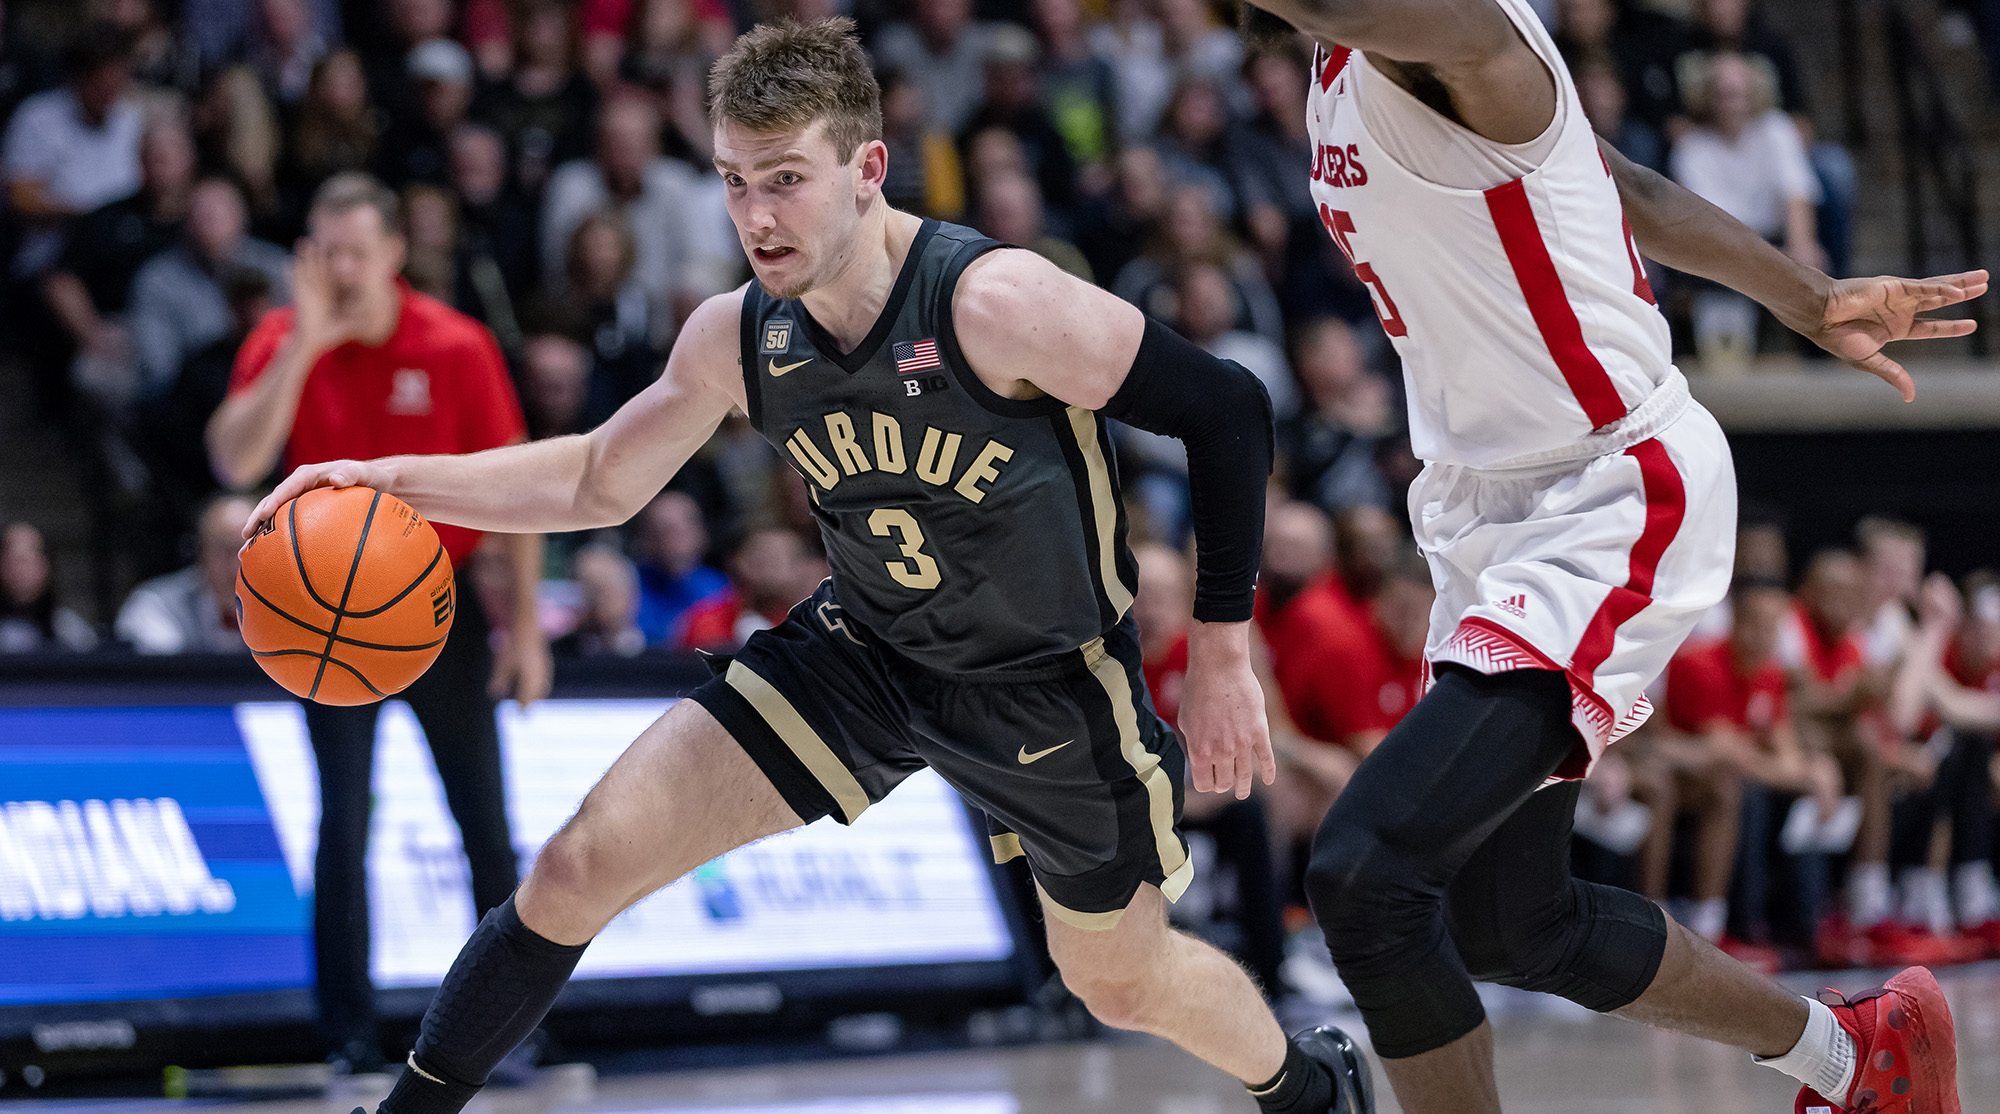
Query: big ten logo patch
441 604
777 336
915 385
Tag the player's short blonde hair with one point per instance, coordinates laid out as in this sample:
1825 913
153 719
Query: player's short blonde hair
789 75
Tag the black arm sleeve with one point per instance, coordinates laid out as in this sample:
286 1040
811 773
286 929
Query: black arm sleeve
1223 415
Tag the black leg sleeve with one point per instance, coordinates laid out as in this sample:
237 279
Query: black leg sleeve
498 990
1471 753
1520 919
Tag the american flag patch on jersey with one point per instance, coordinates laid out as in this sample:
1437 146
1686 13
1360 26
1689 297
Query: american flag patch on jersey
920 356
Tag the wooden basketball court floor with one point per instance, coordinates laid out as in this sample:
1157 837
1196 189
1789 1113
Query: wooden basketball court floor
1553 1058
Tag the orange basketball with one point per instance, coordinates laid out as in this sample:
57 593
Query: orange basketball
345 595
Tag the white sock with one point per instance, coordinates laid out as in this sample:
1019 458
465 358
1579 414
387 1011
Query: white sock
1825 1057
1709 918
1975 893
1869 900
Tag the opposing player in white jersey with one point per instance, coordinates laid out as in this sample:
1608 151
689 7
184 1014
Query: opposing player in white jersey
1579 512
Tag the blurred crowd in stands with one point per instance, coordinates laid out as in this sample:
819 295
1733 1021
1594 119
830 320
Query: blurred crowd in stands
1831 735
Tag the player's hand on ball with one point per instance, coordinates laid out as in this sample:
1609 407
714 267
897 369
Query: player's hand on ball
1222 712
333 473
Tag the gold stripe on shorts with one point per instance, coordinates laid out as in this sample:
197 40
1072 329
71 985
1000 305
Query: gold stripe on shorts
792 727
1103 507
1006 847
1174 861
1089 922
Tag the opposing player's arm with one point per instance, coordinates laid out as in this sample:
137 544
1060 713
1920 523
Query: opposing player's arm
1495 82
1851 318
1029 330
1433 31
578 482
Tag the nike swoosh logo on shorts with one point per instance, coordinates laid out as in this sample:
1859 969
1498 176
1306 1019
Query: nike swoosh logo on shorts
777 371
1026 758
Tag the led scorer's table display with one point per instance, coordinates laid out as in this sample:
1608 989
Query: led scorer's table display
165 852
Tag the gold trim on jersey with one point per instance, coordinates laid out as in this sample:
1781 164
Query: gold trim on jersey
1175 864
1103 508
797 734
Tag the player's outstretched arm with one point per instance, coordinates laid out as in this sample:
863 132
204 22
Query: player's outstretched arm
1851 318
579 482
1028 330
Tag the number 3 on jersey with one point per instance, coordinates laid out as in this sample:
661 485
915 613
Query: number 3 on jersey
1342 226
918 569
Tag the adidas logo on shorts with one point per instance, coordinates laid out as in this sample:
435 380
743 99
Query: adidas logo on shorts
1516 606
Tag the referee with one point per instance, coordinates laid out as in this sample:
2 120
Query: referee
362 366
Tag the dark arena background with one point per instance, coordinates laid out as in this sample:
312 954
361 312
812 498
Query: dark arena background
160 802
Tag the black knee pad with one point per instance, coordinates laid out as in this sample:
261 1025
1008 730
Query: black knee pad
1597 946
1520 919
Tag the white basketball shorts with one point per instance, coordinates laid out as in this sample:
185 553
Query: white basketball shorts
1598 565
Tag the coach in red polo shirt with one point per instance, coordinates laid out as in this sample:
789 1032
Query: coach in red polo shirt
362 367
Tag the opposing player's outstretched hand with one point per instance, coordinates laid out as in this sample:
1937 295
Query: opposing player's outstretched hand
333 473
1222 712
1863 314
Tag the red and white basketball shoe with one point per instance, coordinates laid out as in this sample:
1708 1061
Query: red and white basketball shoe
1908 1061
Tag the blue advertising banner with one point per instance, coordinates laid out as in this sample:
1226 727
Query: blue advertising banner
166 852
138 860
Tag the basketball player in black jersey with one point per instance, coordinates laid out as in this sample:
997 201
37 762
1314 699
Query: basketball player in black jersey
946 403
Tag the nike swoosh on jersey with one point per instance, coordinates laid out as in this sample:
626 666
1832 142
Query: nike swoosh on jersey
777 371
1026 758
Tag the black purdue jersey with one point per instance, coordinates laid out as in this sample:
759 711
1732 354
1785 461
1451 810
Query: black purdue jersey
968 531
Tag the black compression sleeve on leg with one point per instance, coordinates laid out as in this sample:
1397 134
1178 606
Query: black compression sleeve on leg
1223 415
1471 753
499 988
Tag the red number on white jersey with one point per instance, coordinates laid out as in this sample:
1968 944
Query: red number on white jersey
1342 226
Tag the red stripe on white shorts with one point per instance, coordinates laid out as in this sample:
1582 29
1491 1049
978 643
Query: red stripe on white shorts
1666 506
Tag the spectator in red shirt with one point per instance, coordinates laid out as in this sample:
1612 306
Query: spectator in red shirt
1316 631
1400 620
1366 541
1837 700
361 367
1729 701
768 573
1949 689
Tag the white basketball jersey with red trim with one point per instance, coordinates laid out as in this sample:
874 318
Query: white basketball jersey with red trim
1521 312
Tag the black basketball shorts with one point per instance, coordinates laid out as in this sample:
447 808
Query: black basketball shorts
1064 754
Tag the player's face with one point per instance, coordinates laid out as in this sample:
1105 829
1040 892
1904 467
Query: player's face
363 258
1755 616
796 201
